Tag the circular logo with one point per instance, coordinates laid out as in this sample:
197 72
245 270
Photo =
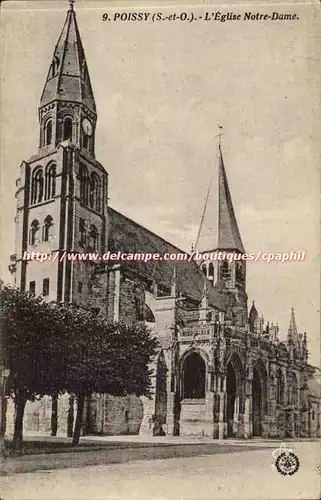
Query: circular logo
287 463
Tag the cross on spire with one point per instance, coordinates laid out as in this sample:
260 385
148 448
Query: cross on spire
220 134
68 78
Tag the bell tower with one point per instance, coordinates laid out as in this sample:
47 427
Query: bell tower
67 108
228 270
62 189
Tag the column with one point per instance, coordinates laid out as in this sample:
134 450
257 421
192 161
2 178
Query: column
216 407
171 416
209 406
248 426
272 410
170 420
236 415
222 425
290 424
147 424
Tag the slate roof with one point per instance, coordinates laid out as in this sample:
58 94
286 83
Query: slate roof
68 76
126 235
229 237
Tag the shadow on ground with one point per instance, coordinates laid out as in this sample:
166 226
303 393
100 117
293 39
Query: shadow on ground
43 455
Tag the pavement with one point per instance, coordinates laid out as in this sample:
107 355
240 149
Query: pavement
161 468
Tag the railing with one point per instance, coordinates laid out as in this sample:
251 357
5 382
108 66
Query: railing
203 331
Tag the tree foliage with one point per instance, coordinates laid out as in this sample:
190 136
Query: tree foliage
54 347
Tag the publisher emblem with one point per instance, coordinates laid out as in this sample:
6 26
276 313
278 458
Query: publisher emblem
287 463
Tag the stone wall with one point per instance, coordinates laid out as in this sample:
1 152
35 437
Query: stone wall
192 419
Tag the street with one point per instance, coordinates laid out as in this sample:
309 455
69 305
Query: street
232 471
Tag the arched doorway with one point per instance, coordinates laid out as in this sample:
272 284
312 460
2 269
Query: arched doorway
234 393
231 395
194 372
257 403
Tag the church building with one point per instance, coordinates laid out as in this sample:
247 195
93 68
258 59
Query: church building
221 371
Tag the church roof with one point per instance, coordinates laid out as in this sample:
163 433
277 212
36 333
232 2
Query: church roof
126 235
229 237
68 76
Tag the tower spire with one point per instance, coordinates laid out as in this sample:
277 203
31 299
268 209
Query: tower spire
68 77
229 237
293 331
220 133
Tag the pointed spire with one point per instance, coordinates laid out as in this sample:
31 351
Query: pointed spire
253 312
253 316
204 302
293 331
228 233
68 77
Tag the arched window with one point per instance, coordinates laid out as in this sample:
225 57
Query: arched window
48 132
34 233
82 233
50 182
279 387
204 269
225 270
47 228
67 129
211 271
83 176
194 372
239 271
94 194
93 238
37 186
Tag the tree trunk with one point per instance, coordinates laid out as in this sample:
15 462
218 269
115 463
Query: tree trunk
70 418
3 423
79 418
54 415
20 404
3 416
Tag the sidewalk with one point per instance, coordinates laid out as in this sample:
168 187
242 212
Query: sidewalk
91 442
146 440
58 453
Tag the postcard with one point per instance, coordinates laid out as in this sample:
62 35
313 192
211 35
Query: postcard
160 255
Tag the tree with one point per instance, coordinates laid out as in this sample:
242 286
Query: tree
104 357
31 338
54 347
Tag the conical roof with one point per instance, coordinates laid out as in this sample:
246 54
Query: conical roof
229 237
68 77
253 315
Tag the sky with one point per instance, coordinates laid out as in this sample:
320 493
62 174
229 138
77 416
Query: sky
161 90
